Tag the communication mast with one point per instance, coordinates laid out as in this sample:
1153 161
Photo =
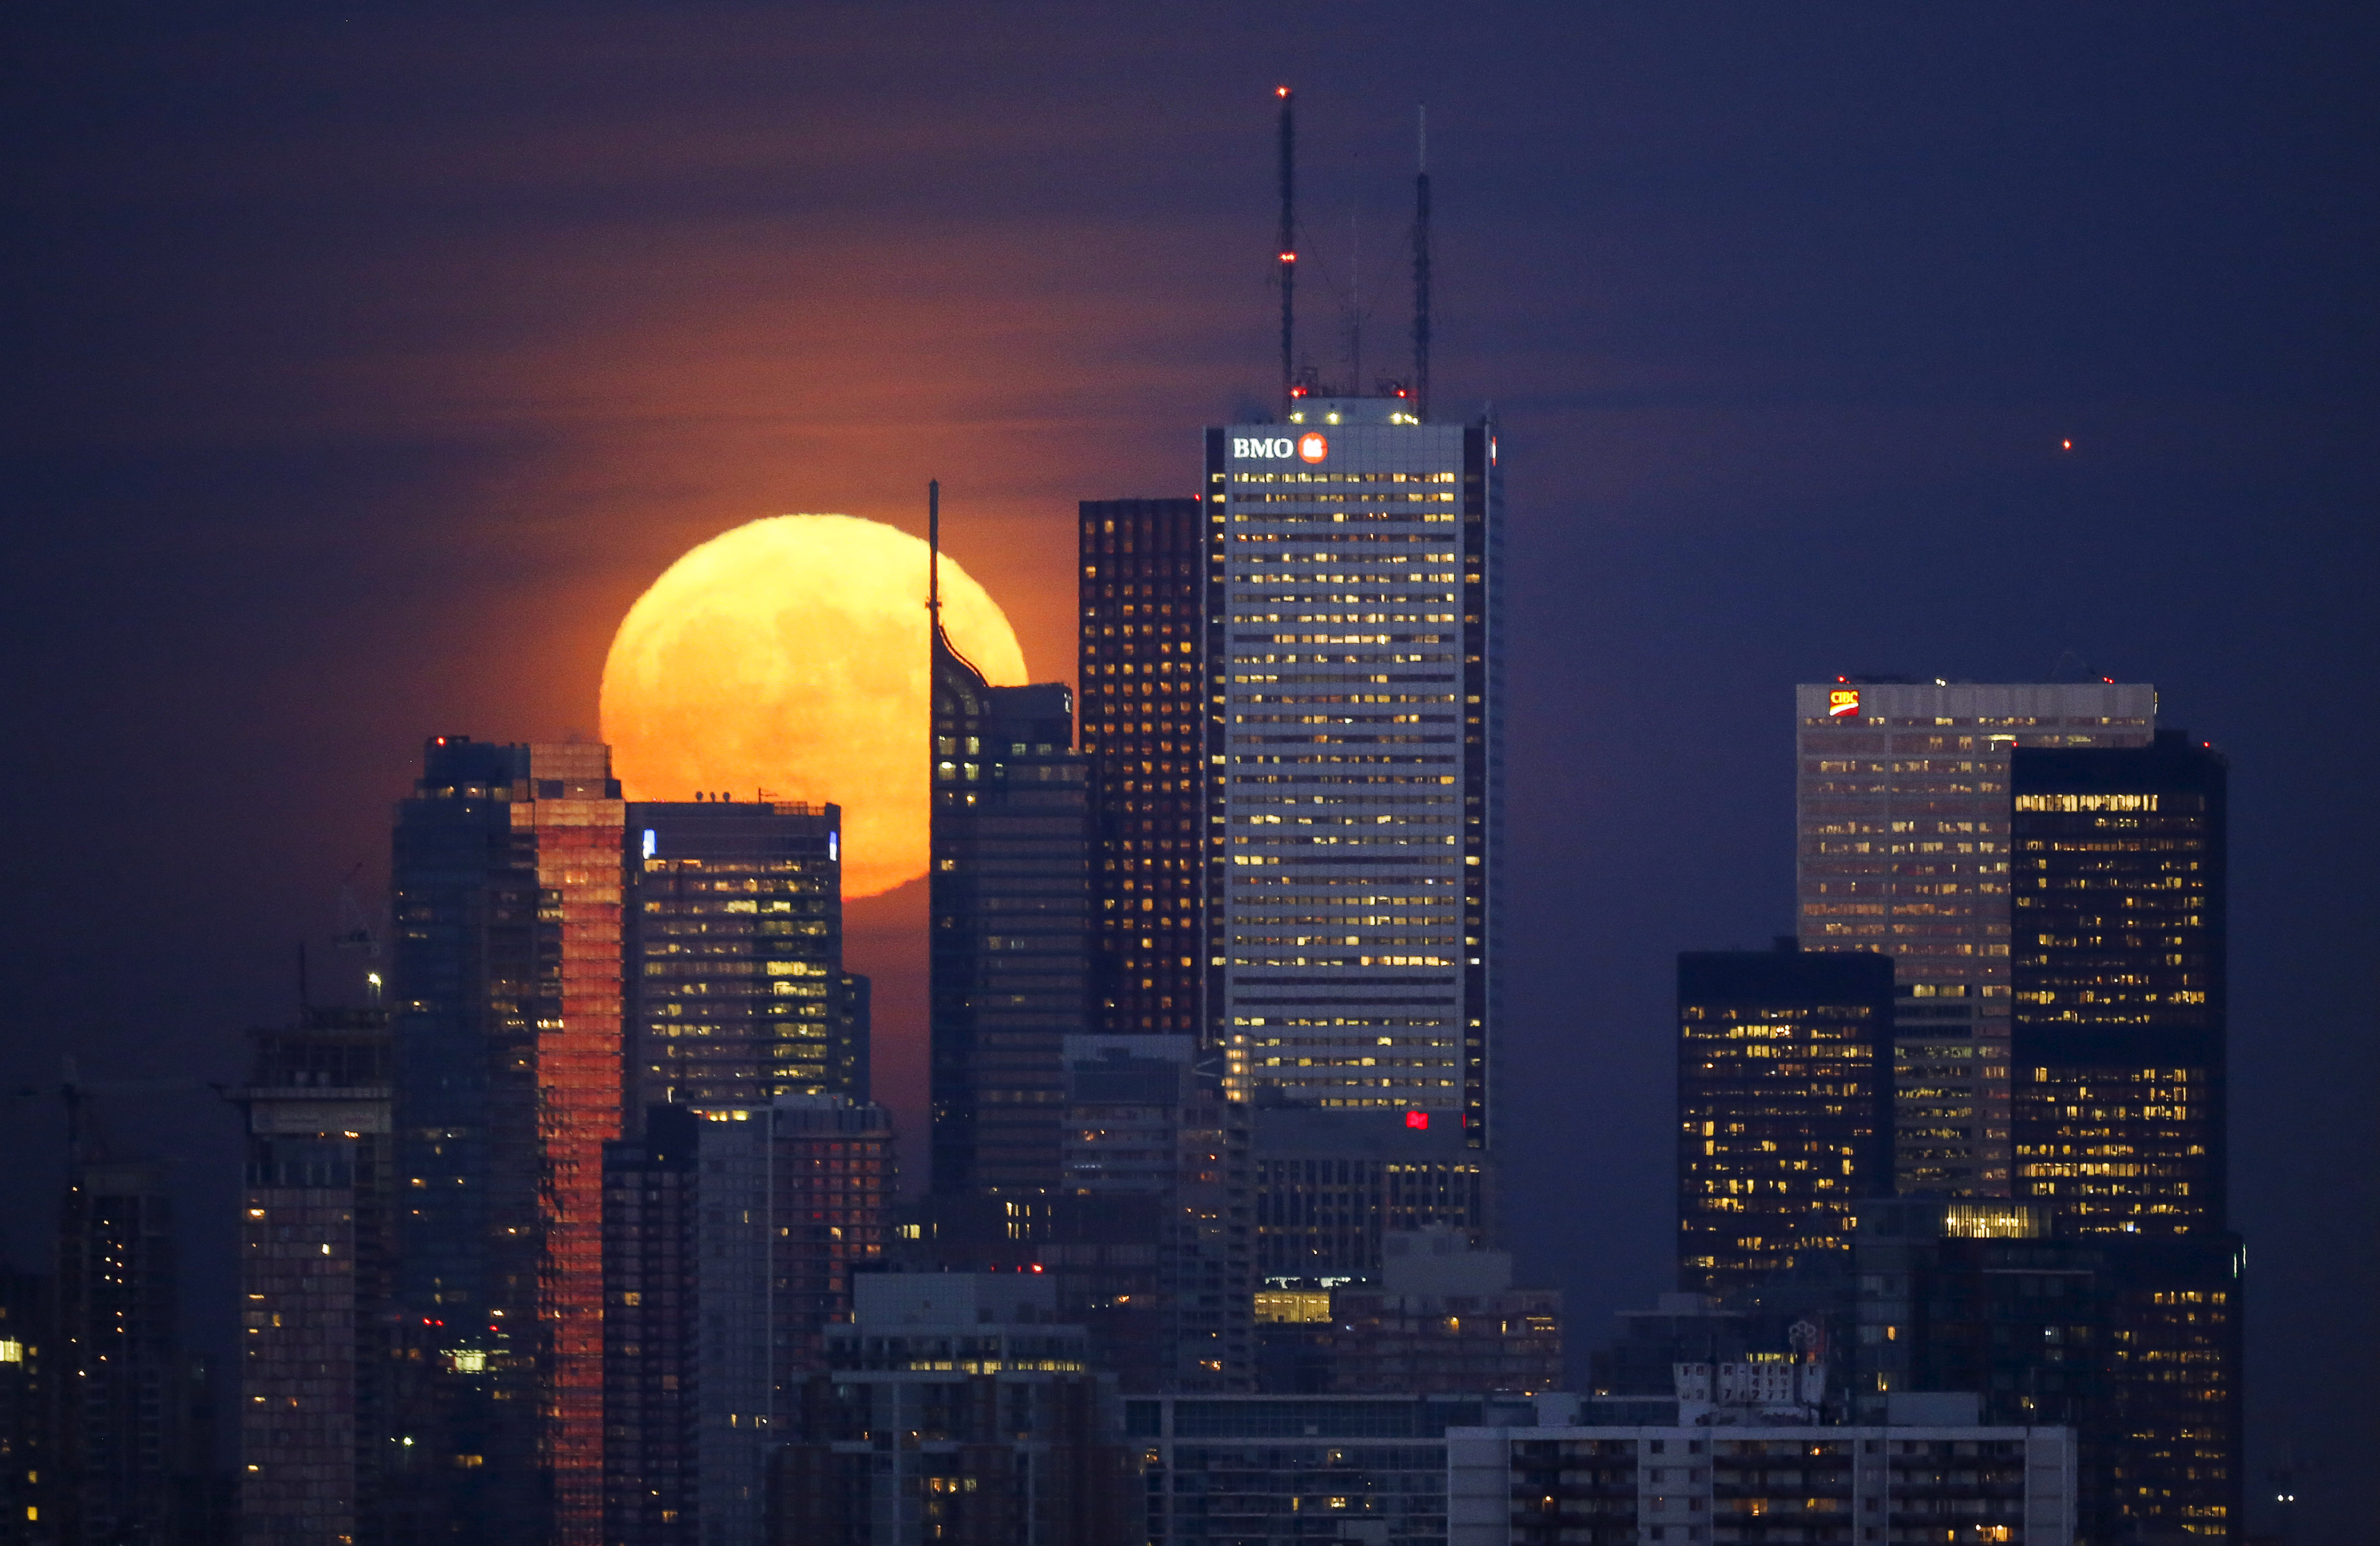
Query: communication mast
1288 242
1421 264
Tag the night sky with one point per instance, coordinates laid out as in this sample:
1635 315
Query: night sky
367 360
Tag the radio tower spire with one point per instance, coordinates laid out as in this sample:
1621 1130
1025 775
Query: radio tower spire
1288 242
1421 264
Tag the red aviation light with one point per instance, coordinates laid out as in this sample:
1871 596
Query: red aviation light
1289 257
1281 91
1418 1121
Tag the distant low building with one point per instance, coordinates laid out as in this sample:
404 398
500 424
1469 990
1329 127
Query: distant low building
1294 1470
957 1410
1609 1486
1442 1319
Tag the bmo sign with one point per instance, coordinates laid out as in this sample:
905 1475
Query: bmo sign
1311 447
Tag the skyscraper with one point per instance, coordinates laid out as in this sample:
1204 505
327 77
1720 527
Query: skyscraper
1353 758
1008 895
2118 877
28 1372
122 1401
1144 710
958 1408
318 1260
731 1239
2133 1341
507 1028
734 939
1784 1107
1901 800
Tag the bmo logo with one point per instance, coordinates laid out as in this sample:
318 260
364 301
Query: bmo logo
1311 448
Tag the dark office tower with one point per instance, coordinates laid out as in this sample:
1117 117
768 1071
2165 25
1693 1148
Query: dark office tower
731 1239
734 933
1148 1134
27 1467
958 1409
1144 685
317 1273
1331 1186
507 876
1355 759
853 1009
2118 899
1784 1107
122 1383
1008 896
2133 1341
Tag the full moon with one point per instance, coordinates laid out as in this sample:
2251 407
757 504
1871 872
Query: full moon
788 658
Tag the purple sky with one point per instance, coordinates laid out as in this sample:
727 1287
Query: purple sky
368 361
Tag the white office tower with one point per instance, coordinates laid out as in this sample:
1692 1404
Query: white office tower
1354 760
1903 806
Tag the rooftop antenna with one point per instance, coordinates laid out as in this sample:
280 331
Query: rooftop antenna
1421 265
934 553
1288 241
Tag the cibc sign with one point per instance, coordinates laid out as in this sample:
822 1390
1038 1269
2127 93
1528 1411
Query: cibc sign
1311 447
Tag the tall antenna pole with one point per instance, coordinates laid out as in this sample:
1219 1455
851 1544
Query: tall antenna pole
1421 266
934 552
1288 242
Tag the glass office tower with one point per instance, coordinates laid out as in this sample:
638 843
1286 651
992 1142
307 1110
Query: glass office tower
1008 895
1901 805
1142 665
2119 875
1352 758
506 1028
737 993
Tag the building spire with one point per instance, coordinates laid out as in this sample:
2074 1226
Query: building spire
934 552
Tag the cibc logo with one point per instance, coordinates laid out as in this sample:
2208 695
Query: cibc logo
1843 704
1312 446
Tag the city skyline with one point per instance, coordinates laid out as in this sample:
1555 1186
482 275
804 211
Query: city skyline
1946 386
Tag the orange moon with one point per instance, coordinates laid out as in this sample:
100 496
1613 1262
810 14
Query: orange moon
790 655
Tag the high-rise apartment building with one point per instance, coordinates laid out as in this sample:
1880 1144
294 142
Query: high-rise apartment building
316 1275
507 1033
1902 809
731 1239
1143 677
1784 1107
1353 758
734 936
1008 897
2118 881
122 1384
